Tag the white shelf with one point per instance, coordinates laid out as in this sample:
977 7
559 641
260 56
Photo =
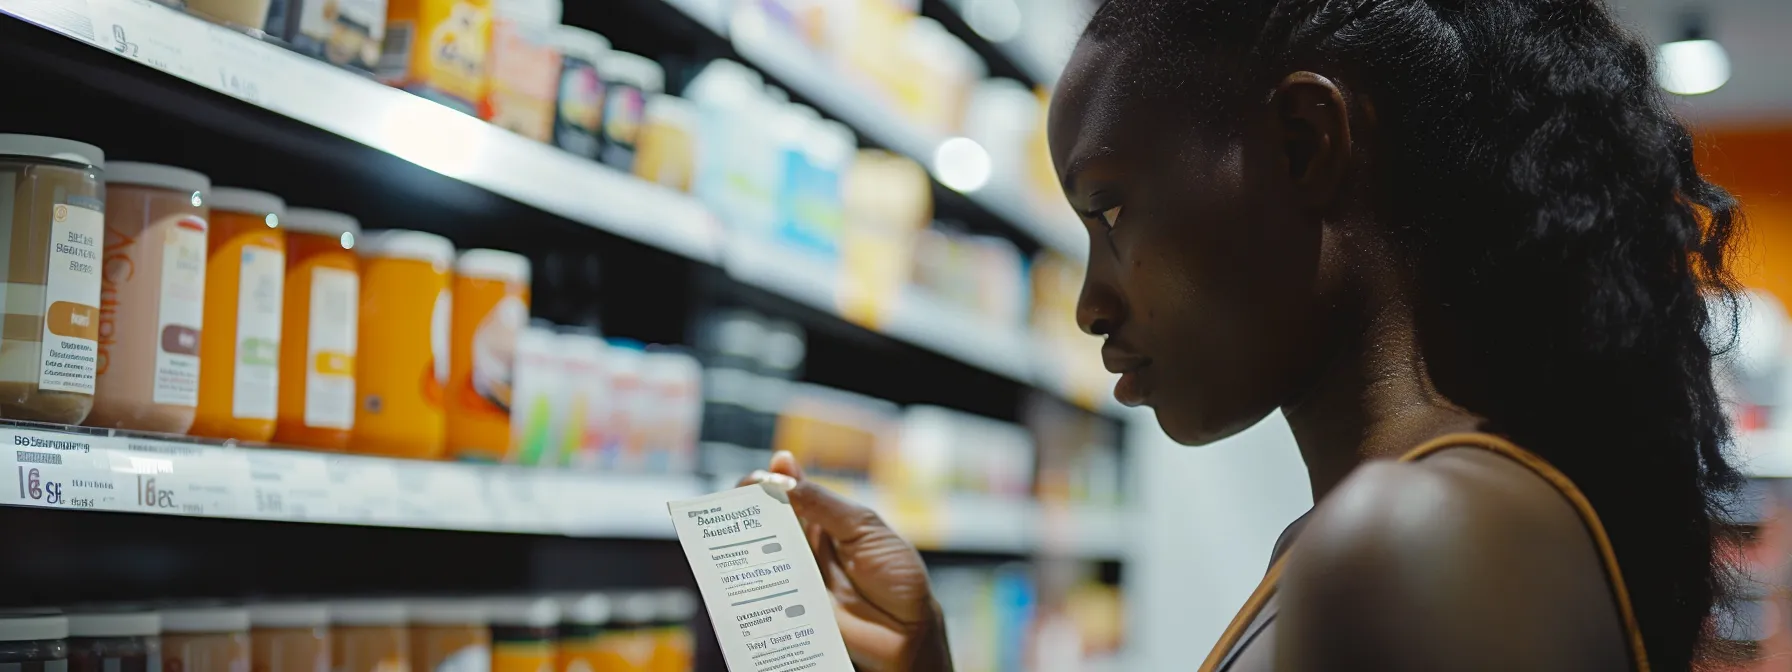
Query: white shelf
75 470
844 96
406 126
965 523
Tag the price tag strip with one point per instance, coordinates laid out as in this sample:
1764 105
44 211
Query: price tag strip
765 595
50 469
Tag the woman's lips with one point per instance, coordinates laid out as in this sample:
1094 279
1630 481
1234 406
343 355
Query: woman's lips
1130 389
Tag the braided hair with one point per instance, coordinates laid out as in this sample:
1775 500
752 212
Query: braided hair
1560 239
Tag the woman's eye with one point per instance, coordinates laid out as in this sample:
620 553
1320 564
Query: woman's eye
1110 216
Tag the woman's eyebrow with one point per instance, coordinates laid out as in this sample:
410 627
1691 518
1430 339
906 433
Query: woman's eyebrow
1080 165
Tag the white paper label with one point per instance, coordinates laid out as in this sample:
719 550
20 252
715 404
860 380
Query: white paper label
71 300
330 348
766 599
257 393
182 309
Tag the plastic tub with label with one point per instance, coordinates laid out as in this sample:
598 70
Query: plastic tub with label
239 373
403 344
319 330
152 298
54 228
491 308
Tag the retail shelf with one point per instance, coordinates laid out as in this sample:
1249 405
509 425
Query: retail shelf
383 118
915 318
537 175
845 97
987 524
84 470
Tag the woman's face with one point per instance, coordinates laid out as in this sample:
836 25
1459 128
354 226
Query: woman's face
1203 262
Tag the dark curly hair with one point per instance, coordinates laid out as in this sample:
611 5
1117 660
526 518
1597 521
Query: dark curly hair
1559 241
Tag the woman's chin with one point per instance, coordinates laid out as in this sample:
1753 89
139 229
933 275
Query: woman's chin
1200 429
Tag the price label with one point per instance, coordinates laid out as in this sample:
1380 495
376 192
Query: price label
170 477
287 486
366 489
449 496
61 471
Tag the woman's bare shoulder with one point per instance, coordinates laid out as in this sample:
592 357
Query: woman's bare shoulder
1466 560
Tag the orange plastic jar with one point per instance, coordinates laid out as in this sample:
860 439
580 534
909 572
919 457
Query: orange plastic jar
403 344
318 330
491 308
239 348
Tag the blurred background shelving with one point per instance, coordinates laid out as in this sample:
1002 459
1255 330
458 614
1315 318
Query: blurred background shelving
836 215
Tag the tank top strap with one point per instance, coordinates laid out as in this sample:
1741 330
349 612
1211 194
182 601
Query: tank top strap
1494 444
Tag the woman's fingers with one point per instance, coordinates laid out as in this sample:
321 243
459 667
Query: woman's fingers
785 463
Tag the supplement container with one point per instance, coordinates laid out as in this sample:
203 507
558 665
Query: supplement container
205 639
579 101
290 637
448 49
524 68
344 32
449 635
582 621
588 395
491 308
402 349
54 225
239 375
152 298
628 80
625 440
674 647
538 419
127 641
239 14
667 152
628 642
318 330
369 636
672 388
33 642
523 634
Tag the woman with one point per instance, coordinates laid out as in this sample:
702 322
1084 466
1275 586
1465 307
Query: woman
1456 224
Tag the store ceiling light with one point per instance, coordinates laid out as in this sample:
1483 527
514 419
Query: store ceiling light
1693 65
961 164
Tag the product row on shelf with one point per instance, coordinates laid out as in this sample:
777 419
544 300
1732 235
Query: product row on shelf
641 631
901 274
1033 617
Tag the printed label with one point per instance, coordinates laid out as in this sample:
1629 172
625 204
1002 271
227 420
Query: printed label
766 599
71 301
330 349
257 391
182 309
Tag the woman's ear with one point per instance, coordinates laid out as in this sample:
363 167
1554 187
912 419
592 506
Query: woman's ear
1313 129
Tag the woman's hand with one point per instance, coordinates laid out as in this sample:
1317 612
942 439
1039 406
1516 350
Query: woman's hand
882 599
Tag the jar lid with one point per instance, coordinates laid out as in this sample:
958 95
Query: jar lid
157 175
52 148
493 264
368 612
320 222
587 609
641 71
672 110
447 612
406 244
531 612
580 43
637 608
31 627
205 619
289 615
115 624
676 604
247 200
